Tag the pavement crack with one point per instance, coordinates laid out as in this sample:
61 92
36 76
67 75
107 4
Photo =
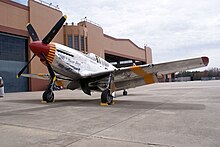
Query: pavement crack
137 142
135 115
43 129
120 122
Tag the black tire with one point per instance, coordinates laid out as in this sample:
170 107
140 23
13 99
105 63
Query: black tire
125 92
48 96
106 97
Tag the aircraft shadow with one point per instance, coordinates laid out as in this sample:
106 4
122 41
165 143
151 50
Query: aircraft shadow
158 105
127 104
131 94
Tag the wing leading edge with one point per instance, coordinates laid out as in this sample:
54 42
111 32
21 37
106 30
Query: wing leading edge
134 76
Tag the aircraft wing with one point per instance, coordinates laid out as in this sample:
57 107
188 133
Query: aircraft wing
61 80
134 76
37 76
130 77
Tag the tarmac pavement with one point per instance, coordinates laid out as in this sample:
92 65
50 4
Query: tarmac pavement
180 114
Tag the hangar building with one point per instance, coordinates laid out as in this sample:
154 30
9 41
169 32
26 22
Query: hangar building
85 36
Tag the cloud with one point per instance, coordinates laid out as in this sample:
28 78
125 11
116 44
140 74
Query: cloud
174 29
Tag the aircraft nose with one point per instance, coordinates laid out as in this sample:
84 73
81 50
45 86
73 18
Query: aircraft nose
38 47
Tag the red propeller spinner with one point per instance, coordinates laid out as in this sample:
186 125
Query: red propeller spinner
37 47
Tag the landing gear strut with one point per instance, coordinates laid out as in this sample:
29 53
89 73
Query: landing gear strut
48 95
106 96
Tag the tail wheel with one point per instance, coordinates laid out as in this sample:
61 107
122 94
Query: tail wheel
48 96
106 97
125 92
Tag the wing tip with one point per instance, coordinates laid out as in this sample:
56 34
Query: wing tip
205 60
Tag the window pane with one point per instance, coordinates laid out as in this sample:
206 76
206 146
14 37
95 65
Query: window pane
13 48
76 42
82 43
86 44
70 41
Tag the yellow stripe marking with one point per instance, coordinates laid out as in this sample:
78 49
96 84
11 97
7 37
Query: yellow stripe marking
50 56
148 77
52 51
51 59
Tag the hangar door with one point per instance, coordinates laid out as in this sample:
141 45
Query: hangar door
13 56
119 61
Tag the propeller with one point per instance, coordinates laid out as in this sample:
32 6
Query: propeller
34 37
22 70
32 32
47 39
54 30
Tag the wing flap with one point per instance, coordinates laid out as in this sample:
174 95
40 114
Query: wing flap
132 83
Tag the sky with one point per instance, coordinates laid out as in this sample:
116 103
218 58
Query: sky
173 29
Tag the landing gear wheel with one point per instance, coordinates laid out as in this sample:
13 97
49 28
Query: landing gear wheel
48 96
125 92
106 97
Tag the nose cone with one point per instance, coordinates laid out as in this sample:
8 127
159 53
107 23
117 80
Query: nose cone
38 47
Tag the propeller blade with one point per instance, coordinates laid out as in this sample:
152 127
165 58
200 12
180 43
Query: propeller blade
32 32
54 30
22 70
52 74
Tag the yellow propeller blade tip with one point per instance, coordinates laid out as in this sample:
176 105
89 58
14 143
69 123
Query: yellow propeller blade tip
65 16
17 76
27 24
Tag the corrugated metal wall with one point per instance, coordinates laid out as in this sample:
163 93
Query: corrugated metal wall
13 56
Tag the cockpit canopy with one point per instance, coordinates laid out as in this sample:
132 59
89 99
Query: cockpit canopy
98 59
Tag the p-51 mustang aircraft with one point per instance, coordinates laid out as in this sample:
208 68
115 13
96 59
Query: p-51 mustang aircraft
72 69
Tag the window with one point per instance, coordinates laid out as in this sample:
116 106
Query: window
82 43
76 42
70 41
13 48
86 44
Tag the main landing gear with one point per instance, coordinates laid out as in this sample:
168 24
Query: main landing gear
48 95
106 96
